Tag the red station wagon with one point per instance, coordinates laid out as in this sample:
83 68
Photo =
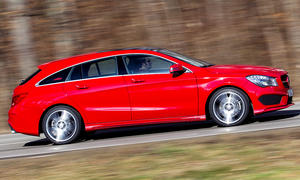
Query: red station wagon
136 86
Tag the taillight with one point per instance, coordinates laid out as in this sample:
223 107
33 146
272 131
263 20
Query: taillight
18 98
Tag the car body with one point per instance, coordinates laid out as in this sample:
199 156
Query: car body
110 89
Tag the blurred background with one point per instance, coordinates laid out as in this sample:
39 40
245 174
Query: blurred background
256 32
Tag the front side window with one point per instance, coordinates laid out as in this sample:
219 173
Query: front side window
57 77
103 67
146 64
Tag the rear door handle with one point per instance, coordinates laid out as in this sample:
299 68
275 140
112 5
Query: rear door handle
82 87
137 80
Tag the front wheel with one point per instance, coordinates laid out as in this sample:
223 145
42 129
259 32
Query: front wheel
229 106
62 125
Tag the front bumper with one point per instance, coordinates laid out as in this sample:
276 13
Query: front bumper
271 99
277 108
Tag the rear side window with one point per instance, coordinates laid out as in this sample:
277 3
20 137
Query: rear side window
90 70
103 67
30 77
76 73
57 77
108 67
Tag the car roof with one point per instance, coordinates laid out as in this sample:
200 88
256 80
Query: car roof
135 48
70 61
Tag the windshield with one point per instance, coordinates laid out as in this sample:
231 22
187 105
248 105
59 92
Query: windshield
186 59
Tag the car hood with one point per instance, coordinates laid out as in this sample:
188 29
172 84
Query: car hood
245 70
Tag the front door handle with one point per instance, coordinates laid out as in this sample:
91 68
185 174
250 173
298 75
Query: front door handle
82 87
137 80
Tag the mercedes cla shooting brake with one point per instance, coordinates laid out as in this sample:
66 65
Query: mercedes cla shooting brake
137 86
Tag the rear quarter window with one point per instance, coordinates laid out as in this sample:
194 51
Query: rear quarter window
56 78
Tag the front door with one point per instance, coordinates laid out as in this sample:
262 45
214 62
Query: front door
154 92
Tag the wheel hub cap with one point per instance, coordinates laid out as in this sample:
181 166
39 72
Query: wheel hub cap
61 125
229 107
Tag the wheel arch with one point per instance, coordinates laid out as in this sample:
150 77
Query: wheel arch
221 87
54 105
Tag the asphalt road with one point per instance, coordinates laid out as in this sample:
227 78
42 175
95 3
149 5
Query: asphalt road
18 145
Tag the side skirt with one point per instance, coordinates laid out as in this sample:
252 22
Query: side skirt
93 127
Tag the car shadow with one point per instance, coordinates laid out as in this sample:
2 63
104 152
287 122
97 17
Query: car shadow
133 131
40 142
160 128
147 129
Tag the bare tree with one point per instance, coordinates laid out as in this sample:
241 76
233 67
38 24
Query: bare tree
22 37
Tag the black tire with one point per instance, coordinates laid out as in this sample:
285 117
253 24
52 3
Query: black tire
229 106
62 124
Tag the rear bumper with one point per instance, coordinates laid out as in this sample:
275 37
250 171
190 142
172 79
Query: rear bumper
12 129
23 120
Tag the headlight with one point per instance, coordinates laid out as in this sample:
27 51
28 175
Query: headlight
262 81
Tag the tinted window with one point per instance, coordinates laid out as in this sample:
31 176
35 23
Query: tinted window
104 67
90 70
121 67
141 64
75 73
57 77
108 67
30 77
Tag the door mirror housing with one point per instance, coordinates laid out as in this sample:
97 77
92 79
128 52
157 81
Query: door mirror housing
176 70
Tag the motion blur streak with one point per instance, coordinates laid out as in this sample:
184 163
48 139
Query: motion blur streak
260 32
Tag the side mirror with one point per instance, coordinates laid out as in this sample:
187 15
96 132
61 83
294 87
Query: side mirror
177 70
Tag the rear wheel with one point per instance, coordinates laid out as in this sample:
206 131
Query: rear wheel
229 106
62 125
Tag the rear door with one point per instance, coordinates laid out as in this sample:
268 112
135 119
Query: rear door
154 92
99 90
